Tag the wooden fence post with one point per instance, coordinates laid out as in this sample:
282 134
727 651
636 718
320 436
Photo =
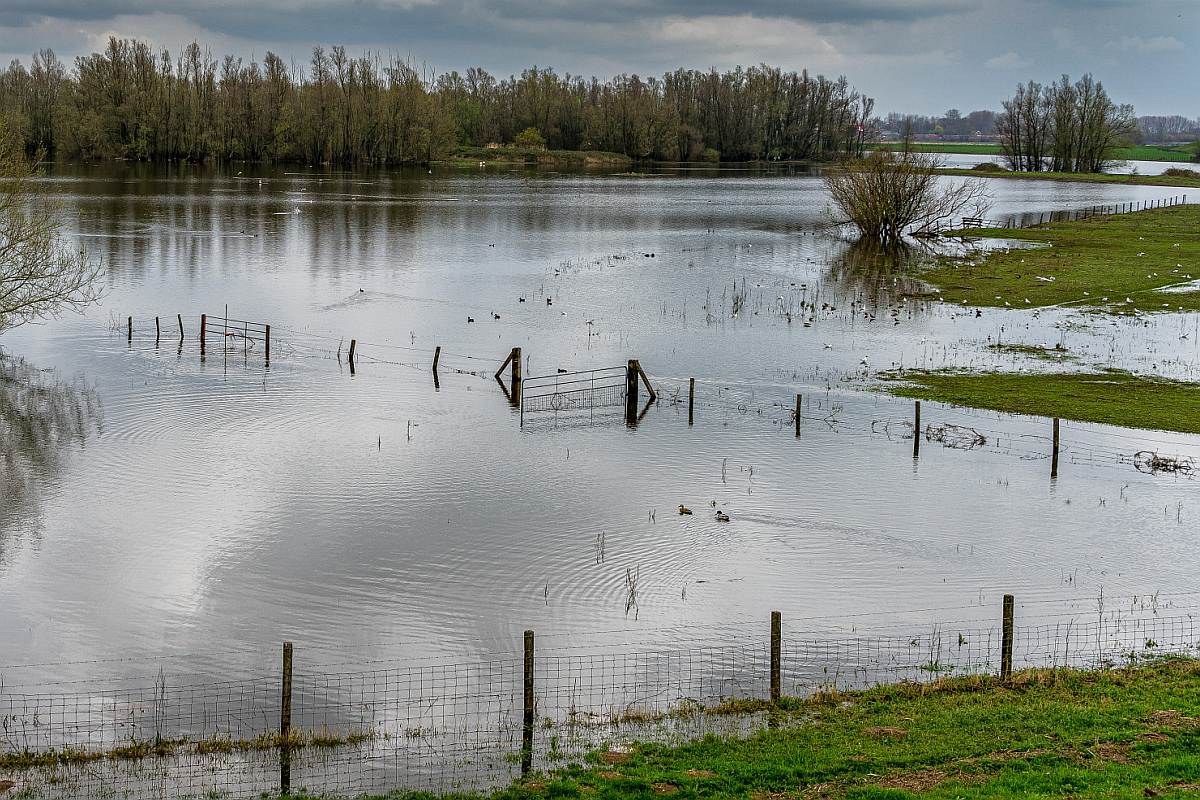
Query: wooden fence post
917 430
157 332
1006 640
527 705
131 330
1054 452
285 723
350 359
179 319
691 400
267 340
776 654
631 392
203 332
798 415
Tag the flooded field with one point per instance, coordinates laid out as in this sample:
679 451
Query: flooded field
192 513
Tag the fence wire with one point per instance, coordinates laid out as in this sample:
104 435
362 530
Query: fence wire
459 726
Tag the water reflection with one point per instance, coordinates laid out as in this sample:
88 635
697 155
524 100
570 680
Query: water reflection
42 418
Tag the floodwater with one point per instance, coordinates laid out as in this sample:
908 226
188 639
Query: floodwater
968 160
197 511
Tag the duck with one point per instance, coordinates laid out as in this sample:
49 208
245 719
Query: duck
549 301
470 319
684 510
722 516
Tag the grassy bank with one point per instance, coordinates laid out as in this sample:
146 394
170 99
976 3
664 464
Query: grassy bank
1135 153
1081 177
1112 262
471 156
1112 397
1129 733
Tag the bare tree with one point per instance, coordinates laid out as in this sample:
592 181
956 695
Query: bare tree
39 274
1066 127
886 195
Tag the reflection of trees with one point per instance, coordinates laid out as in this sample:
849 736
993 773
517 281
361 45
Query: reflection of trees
870 273
41 417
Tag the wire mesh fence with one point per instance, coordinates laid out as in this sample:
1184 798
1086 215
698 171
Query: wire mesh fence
460 726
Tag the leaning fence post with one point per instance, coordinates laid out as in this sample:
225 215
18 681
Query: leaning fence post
527 705
691 400
917 430
776 654
631 392
179 319
350 358
285 723
1054 452
1006 640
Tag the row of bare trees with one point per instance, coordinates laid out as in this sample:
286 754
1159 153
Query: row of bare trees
133 102
1063 126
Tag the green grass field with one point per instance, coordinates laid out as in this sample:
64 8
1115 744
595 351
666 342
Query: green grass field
1122 735
1134 153
1112 397
1113 263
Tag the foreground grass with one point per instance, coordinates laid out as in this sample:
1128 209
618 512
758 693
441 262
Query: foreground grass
1112 397
1112 262
1128 733
1133 153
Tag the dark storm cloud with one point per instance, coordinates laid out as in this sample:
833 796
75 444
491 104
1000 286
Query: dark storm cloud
356 19
920 55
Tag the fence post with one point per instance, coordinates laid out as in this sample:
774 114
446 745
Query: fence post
917 430
516 370
203 331
798 414
527 704
437 356
631 392
350 359
285 723
776 654
131 330
1054 452
267 339
179 319
157 332
691 400
1006 640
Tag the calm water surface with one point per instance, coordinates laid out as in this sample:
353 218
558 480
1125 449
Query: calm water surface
207 509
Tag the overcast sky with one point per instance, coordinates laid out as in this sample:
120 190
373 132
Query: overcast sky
911 55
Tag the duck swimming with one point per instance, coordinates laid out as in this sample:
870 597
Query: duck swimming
684 510
722 516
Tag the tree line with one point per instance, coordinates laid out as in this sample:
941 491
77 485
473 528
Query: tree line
1063 126
133 102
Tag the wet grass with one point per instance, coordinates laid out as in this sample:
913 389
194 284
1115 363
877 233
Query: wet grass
1128 733
471 156
1056 353
1113 263
17 760
1112 397
1081 177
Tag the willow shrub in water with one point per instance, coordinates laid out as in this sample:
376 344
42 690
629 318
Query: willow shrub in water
887 194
